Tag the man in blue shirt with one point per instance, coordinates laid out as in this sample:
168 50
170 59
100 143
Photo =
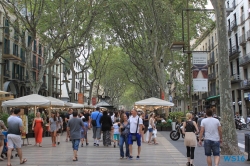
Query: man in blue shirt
96 116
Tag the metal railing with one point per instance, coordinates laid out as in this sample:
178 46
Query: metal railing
211 76
242 39
244 60
242 17
234 49
235 77
245 83
233 24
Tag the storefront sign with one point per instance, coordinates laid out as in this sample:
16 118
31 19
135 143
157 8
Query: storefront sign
200 72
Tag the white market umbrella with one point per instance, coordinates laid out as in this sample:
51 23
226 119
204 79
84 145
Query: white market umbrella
103 104
30 100
154 102
3 92
76 105
55 102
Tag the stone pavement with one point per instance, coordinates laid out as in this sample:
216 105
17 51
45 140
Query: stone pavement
199 156
164 154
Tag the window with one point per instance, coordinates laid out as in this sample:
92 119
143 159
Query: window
29 41
40 49
6 46
7 29
245 74
15 49
232 69
22 56
215 36
39 63
34 61
34 46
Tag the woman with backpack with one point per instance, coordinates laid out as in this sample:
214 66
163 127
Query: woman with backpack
190 141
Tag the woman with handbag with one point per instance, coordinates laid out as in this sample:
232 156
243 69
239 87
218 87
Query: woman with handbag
124 130
37 127
2 127
190 141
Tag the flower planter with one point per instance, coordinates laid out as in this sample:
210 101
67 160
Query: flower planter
159 128
168 128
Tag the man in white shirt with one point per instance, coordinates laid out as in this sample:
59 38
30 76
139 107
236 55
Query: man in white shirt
213 137
135 123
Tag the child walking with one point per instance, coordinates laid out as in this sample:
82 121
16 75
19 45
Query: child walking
116 126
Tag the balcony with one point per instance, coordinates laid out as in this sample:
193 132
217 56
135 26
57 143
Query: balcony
6 73
15 76
234 52
233 25
248 35
210 61
235 78
204 95
55 75
242 40
242 18
244 85
244 60
233 4
211 76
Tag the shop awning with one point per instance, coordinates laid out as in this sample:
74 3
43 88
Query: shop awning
213 97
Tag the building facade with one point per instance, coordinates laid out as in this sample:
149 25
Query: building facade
238 29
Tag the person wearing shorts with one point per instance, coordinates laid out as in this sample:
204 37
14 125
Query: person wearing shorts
96 115
213 137
135 123
15 129
74 127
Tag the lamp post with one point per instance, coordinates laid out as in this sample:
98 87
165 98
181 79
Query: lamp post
70 93
169 86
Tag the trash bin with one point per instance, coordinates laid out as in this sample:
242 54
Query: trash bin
173 125
247 145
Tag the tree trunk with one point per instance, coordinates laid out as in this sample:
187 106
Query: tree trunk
229 135
90 91
72 60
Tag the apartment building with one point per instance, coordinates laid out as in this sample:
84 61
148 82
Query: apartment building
238 29
81 86
13 67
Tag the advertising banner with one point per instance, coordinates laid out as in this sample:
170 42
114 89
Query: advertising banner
80 98
200 72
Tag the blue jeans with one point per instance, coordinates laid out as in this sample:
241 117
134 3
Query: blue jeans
123 139
75 144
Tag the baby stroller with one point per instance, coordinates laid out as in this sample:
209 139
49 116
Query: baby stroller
5 145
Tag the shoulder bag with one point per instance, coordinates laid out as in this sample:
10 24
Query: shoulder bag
93 122
134 136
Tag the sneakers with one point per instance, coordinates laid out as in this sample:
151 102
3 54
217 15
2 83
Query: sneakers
114 146
87 144
58 143
130 157
94 144
137 157
97 144
82 145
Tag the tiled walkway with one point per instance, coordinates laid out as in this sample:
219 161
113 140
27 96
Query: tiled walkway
163 154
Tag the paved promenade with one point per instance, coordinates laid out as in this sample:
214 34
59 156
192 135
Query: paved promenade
164 154
167 153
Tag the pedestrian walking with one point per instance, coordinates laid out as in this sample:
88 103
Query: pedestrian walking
190 141
213 137
53 128
84 132
59 127
37 127
135 129
67 117
124 130
15 129
151 128
203 115
96 125
106 123
2 128
116 127
74 130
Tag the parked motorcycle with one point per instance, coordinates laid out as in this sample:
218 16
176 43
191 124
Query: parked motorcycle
175 134
238 123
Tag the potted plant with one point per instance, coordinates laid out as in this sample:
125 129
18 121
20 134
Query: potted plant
4 117
166 126
175 116
159 126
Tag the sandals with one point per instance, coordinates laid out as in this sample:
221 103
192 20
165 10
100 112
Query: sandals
24 161
75 159
1 159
